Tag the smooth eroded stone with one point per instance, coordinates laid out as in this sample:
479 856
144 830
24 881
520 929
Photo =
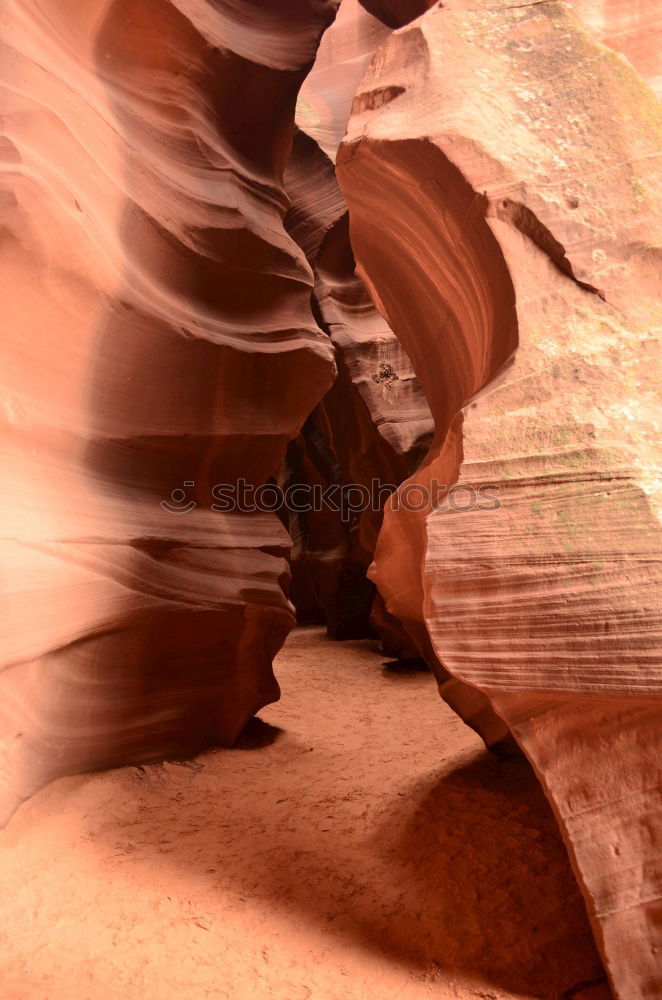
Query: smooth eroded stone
159 342
369 432
505 213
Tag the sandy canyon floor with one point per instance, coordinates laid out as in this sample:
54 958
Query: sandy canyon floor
358 845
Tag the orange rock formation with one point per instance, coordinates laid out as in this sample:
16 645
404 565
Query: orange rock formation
505 213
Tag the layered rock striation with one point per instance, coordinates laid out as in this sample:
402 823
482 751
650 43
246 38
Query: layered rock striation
159 342
504 202
369 432
179 287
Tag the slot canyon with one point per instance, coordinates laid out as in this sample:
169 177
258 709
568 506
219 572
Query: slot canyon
330 653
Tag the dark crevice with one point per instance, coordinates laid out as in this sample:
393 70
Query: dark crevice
373 99
578 988
528 223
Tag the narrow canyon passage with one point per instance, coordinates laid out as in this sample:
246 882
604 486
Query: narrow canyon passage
359 843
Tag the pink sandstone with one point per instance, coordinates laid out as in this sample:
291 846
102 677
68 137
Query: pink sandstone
500 172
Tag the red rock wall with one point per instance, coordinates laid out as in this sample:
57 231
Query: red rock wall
158 334
371 429
374 424
505 212
327 93
161 338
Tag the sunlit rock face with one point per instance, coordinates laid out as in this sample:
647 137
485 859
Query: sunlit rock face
158 341
345 52
634 29
504 199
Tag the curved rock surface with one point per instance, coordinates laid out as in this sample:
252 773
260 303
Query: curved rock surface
159 340
370 431
325 101
504 201
359 434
